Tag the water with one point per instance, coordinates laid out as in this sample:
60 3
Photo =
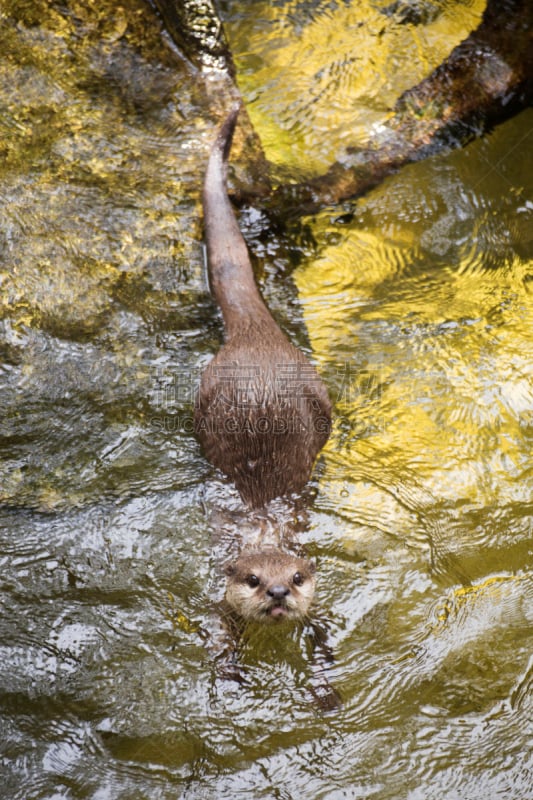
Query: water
417 308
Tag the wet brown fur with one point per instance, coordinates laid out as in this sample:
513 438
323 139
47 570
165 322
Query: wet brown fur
262 412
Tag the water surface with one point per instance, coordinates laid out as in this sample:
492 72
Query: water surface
416 305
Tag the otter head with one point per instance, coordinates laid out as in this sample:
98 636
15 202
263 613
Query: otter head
270 586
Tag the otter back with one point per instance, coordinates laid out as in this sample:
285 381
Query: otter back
262 413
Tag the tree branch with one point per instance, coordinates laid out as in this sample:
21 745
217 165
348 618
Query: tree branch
485 80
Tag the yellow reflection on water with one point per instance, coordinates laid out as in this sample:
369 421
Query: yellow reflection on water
318 83
439 366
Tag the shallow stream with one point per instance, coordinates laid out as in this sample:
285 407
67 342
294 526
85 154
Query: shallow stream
415 303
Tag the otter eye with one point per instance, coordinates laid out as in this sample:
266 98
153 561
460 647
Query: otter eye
252 581
298 578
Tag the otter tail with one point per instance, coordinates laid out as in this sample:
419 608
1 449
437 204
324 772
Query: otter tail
225 134
230 271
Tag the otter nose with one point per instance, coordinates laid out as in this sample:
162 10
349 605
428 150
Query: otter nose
278 592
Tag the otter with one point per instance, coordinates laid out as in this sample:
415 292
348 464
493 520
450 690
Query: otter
262 413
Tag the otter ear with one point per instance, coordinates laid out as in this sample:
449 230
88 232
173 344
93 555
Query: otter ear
312 567
229 569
